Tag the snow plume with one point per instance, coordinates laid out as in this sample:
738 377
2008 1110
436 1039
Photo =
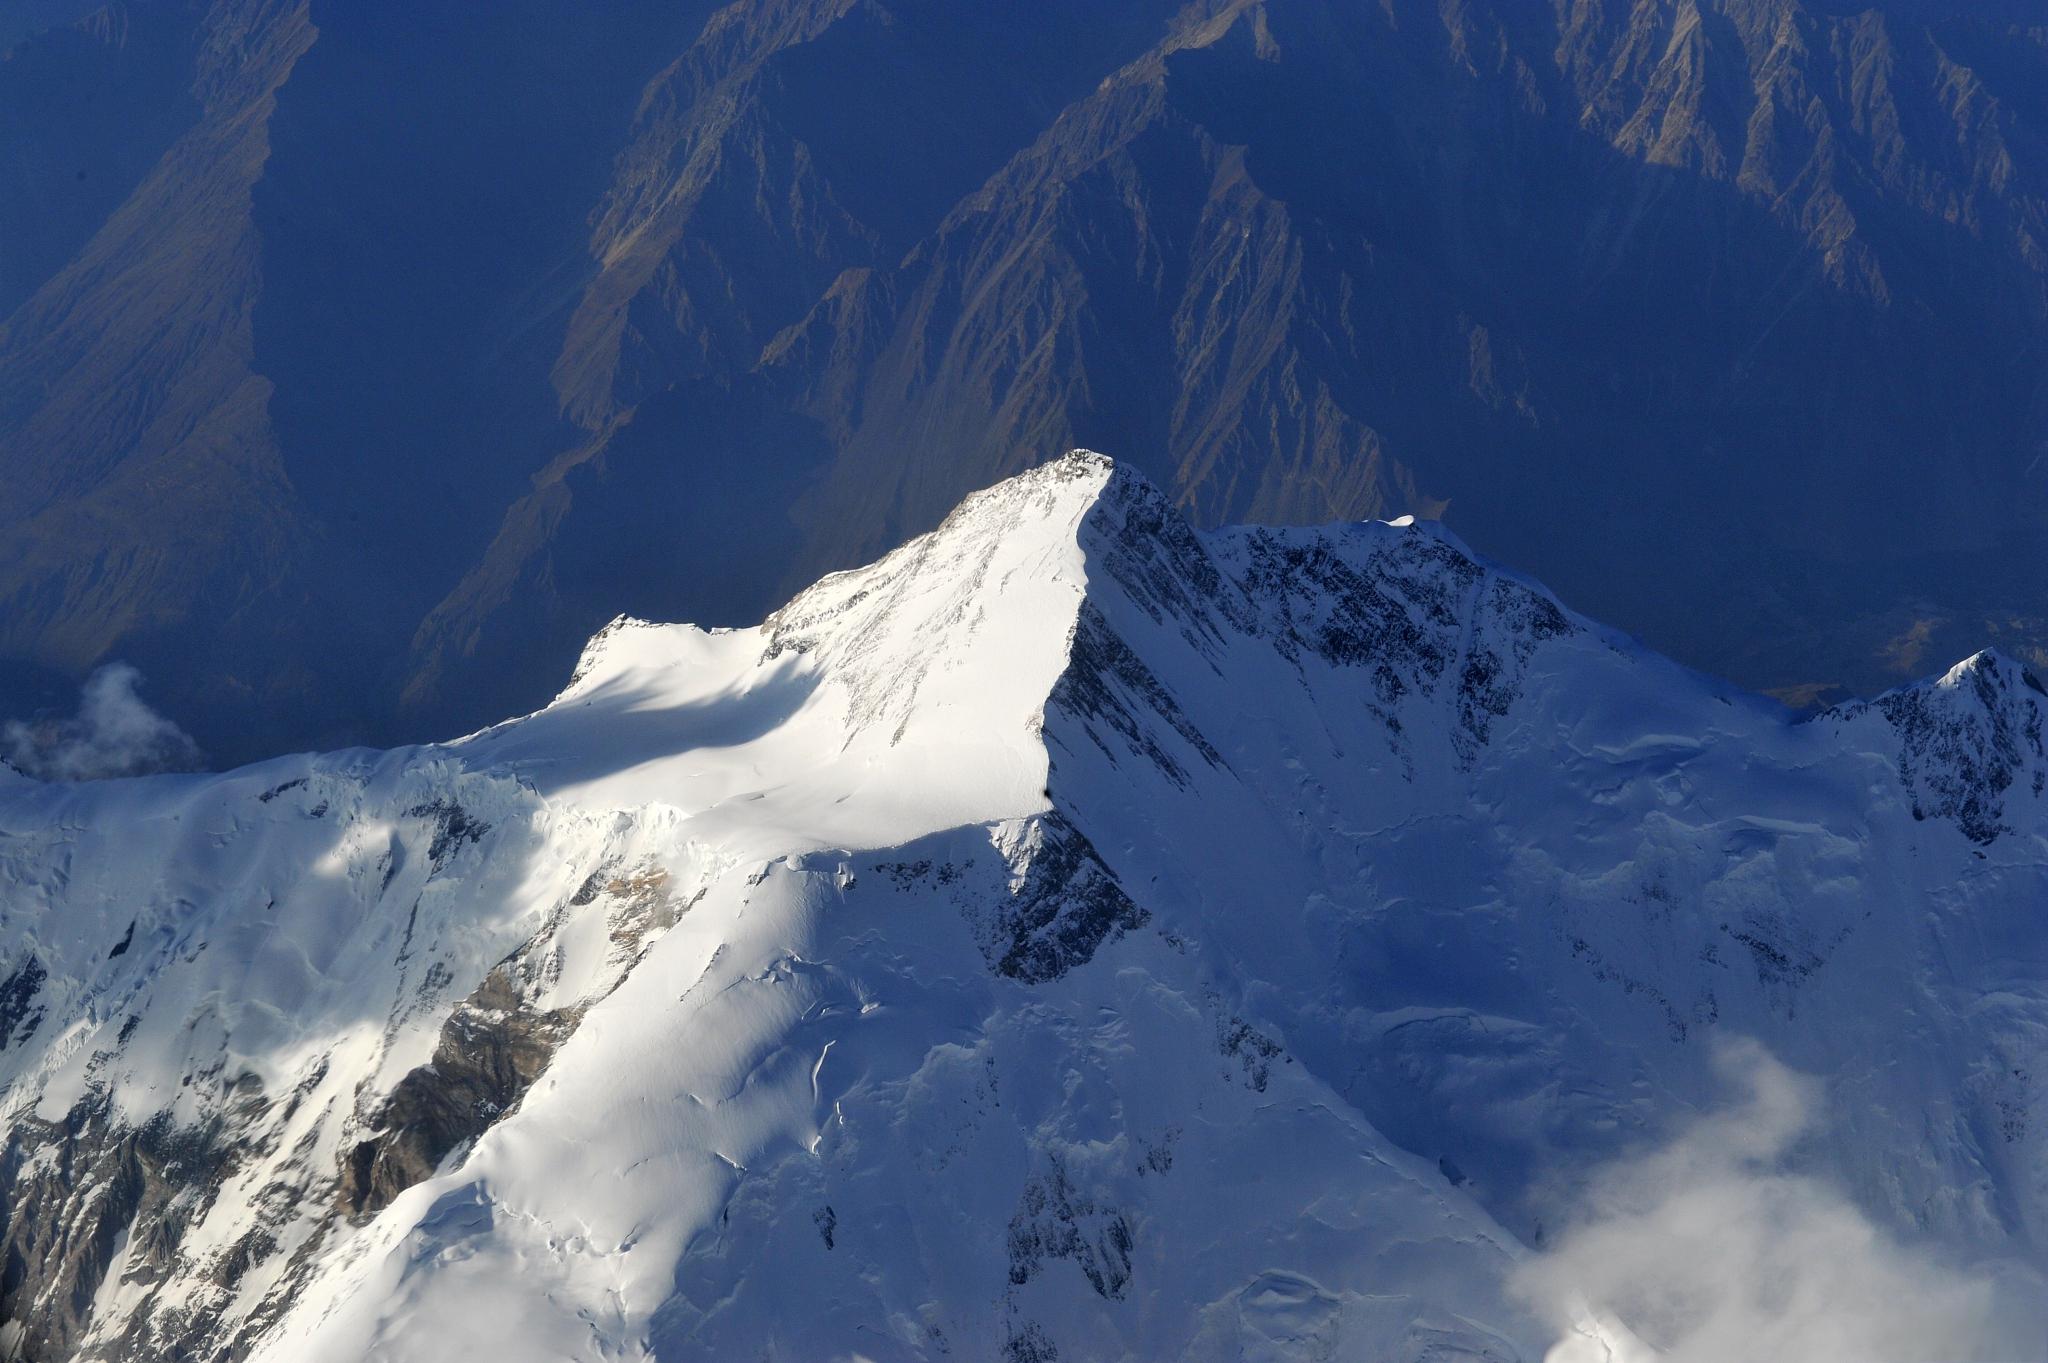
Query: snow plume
114 733
1709 1250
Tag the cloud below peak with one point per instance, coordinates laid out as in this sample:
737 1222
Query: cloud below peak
114 733
1709 1249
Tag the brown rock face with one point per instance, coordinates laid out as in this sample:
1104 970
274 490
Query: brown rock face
491 1050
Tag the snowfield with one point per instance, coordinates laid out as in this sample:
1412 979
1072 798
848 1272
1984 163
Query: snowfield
1071 937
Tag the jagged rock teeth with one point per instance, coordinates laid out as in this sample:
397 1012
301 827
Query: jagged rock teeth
1968 742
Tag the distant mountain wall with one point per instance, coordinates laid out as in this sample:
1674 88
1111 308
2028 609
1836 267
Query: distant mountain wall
359 359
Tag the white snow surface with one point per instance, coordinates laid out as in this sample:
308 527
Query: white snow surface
1071 937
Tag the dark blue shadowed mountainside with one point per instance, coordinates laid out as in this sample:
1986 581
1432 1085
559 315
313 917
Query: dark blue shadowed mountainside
360 359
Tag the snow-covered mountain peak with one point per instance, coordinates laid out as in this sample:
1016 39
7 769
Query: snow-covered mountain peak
881 704
1072 936
1999 681
910 694
1970 743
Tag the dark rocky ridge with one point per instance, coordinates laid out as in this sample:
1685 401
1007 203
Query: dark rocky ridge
1968 742
74 1188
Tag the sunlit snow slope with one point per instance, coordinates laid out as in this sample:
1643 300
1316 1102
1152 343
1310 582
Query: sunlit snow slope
1069 938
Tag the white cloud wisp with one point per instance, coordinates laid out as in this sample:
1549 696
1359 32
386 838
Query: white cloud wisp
1709 1250
114 733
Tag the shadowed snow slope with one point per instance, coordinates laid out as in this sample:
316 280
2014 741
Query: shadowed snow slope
1072 937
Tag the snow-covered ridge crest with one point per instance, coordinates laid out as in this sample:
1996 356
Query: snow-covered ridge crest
1075 586
880 704
1076 589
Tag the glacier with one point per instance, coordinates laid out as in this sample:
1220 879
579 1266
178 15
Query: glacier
1070 937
